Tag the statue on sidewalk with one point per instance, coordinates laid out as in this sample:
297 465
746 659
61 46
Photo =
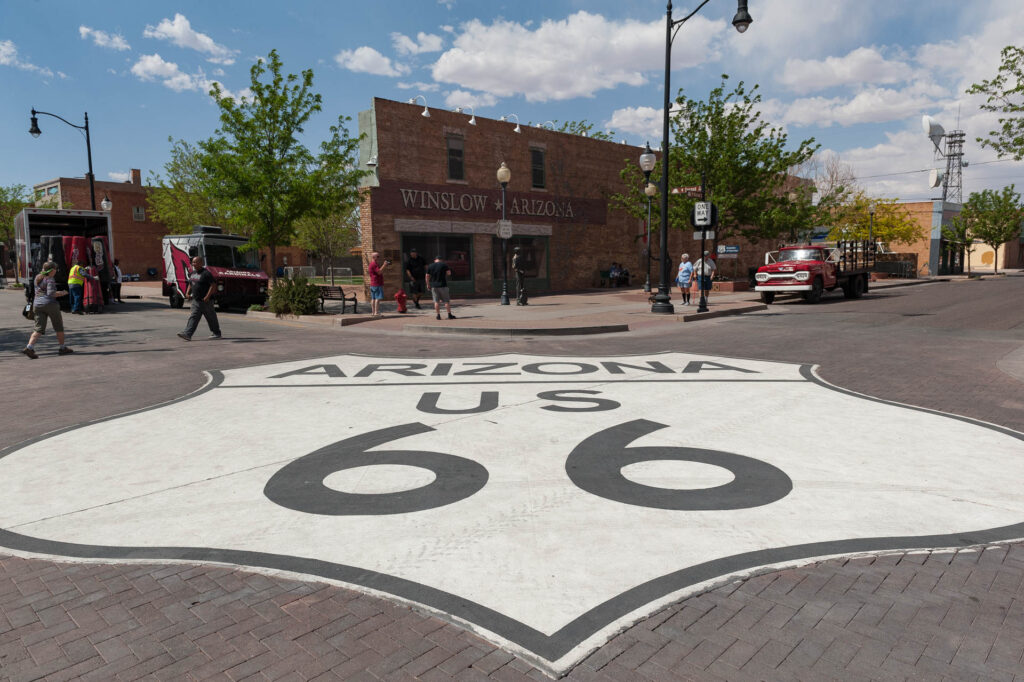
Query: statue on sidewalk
520 269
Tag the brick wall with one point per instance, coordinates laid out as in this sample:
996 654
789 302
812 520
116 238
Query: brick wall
580 172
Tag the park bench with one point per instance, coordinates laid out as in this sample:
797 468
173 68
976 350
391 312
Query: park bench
333 293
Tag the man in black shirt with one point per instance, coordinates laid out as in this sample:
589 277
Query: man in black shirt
416 270
437 282
200 289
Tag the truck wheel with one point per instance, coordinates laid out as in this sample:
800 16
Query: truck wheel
767 297
814 295
857 286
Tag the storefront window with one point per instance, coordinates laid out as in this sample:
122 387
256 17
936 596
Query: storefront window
454 250
533 255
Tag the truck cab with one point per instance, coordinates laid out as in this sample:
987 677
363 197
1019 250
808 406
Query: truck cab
235 268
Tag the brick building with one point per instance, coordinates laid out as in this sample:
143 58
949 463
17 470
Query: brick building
434 188
137 236
933 258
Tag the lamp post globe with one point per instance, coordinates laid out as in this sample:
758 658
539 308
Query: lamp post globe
504 175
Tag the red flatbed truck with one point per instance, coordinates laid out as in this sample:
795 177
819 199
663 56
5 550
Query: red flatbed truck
812 269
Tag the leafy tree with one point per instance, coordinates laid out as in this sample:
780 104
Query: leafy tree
1005 95
329 235
892 223
187 197
13 198
262 170
994 217
584 128
745 161
958 236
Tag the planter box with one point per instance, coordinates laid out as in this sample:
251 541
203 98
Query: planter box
726 287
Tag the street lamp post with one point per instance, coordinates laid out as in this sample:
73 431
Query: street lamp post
871 224
36 132
647 161
741 21
504 175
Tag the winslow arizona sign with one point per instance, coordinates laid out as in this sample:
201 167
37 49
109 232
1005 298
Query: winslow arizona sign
544 502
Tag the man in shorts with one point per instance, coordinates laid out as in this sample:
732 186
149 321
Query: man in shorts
437 282
416 271
376 272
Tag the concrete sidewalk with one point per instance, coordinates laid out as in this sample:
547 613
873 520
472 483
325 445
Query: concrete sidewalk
599 311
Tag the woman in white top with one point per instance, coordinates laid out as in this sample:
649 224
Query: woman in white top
115 286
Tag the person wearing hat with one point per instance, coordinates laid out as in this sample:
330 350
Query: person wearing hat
705 270
47 308
416 272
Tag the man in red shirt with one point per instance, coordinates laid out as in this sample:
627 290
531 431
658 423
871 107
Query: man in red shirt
376 273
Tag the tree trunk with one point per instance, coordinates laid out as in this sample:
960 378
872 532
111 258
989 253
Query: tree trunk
995 259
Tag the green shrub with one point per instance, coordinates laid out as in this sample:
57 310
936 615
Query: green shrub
294 297
257 308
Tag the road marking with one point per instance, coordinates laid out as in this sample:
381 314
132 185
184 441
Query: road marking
545 502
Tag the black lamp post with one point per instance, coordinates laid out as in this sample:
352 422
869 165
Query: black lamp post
36 132
504 175
647 161
741 21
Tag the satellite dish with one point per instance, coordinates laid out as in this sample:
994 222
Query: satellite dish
933 130
935 177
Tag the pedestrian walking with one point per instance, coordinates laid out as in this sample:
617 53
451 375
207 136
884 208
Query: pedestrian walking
376 273
200 290
47 309
684 277
437 282
416 271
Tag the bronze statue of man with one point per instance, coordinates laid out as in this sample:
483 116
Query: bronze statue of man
519 266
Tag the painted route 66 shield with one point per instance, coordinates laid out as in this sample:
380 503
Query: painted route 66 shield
545 502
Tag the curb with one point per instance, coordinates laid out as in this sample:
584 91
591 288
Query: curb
518 331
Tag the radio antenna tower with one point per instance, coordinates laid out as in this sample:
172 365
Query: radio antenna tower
952 178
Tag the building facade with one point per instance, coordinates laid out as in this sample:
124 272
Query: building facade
434 188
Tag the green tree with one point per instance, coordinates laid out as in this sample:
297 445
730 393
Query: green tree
746 163
13 198
892 222
958 236
994 218
329 236
1005 95
187 197
262 170
584 128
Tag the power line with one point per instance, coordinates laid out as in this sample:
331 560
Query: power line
923 170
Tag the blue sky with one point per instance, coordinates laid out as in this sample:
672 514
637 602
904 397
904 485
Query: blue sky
857 75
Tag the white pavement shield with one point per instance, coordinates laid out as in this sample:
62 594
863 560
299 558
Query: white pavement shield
544 502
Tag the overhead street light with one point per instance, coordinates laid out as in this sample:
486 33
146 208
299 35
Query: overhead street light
742 21
34 131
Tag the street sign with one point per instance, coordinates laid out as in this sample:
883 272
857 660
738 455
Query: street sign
728 251
686 190
702 214
504 229
708 234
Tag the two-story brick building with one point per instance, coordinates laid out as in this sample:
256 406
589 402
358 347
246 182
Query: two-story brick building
434 188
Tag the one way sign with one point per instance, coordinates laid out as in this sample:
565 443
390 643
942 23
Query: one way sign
704 214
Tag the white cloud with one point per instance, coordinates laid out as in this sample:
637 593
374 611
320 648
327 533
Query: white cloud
573 57
425 42
861 66
119 176
9 57
462 98
447 4
637 121
422 87
368 60
153 67
808 27
876 105
180 32
104 39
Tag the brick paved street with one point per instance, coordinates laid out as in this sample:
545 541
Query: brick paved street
928 615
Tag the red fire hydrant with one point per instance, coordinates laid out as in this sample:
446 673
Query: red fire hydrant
400 300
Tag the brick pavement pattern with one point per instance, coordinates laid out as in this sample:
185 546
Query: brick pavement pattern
929 615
